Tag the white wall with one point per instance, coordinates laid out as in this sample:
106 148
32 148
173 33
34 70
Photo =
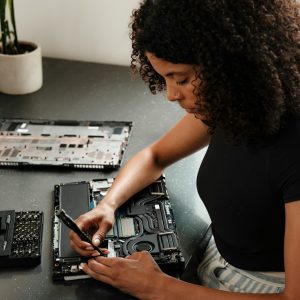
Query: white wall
87 30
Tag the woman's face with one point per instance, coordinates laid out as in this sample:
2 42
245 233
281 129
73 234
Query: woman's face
180 80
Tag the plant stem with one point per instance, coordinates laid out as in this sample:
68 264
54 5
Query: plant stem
12 16
3 25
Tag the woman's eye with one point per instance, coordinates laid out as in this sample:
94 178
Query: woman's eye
182 82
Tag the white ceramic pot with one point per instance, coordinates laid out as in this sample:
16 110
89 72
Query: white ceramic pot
21 73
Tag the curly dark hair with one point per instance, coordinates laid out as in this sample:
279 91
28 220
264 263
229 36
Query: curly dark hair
248 52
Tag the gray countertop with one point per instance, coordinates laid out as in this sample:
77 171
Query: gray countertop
89 91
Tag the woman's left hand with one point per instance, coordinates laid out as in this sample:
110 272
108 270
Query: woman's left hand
137 274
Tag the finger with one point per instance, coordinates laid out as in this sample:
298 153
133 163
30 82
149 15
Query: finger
100 234
105 251
139 255
75 239
76 242
84 251
98 276
144 256
134 255
88 250
110 261
82 224
85 221
98 237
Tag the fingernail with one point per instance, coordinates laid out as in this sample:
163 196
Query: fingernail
96 242
81 266
89 248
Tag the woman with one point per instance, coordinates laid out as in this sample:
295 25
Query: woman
234 67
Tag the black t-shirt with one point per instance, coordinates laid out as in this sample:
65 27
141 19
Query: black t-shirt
244 188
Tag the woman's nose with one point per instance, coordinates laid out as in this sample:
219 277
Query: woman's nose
173 94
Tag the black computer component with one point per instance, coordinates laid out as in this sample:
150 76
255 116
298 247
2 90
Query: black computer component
145 222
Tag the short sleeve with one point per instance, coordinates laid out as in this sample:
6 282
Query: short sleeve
291 182
285 166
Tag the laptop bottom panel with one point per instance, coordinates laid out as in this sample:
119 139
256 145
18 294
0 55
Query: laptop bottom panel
145 223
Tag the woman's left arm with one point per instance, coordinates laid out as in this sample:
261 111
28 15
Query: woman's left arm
140 276
292 250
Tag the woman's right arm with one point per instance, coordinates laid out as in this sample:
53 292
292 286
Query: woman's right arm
185 138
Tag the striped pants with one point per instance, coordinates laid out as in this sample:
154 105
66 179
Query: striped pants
215 272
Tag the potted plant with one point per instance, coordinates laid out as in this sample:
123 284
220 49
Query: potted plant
20 61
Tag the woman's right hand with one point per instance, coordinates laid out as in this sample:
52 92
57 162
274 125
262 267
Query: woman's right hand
97 222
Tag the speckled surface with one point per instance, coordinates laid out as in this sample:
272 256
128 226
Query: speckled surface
89 91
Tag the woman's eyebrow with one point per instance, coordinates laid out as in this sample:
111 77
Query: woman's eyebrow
172 73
